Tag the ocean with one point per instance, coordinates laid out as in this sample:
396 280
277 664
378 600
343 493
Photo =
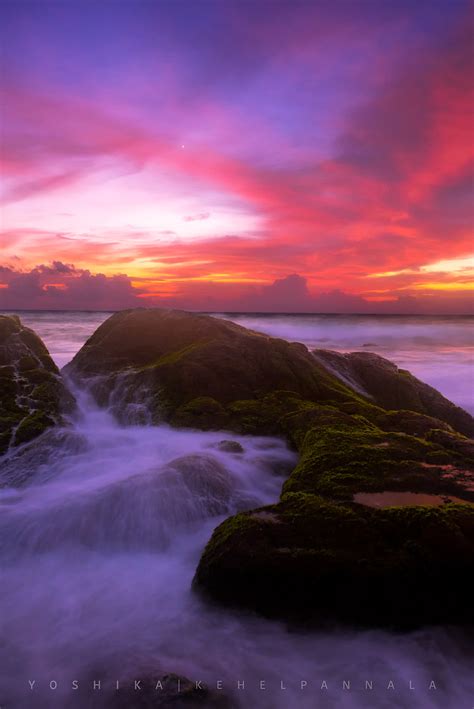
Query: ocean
99 551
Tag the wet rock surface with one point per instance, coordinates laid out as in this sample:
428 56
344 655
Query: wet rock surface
194 367
33 395
311 560
171 498
318 556
33 460
394 388
230 447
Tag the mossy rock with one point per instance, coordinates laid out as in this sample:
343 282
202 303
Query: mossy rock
180 358
183 357
310 560
342 455
32 394
297 559
203 413
32 426
392 388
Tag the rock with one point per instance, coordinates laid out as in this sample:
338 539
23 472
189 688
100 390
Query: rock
33 396
341 455
204 372
412 423
315 561
142 512
194 366
230 447
205 477
296 560
393 388
451 441
33 460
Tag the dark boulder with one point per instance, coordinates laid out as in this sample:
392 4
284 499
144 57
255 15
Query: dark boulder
208 373
230 447
190 368
393 388
319 556
33 395
310 560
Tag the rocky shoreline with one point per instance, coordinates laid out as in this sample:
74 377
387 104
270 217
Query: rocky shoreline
360 426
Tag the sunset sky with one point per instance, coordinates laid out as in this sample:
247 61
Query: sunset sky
266 155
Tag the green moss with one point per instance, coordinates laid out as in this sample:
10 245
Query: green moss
251 415
440 457
26 363
32 426
39 376
175 357
8 398
340 457
269 414
52 397
204 412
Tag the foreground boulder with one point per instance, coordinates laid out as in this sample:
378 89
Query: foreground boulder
33 396
308 559
375 524
373 527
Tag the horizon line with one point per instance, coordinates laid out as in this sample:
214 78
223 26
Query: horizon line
239 312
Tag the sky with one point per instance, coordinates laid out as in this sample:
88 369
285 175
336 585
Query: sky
237 156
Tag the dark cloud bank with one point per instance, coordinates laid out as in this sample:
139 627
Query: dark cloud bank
61 286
